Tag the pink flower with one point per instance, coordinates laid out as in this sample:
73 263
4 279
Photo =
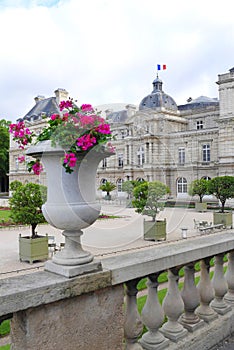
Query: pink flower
70 160
110 147
86 120
103 129
65 104
37 168
54 116
86 141
87 108
21 159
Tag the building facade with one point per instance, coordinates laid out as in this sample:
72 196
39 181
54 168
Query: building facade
160 140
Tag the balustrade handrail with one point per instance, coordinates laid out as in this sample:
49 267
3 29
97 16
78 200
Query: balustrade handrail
21 292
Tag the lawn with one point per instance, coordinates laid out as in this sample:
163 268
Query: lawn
4 215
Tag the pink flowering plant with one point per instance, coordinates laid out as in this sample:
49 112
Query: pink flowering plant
76 129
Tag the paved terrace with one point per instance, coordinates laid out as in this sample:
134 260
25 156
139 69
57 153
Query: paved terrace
105 237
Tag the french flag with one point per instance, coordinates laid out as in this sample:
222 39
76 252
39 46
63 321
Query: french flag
161 66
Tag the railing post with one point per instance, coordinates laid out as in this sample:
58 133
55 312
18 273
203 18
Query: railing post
206 293
173 307
132 326
220 287
229 297
190 296
152 317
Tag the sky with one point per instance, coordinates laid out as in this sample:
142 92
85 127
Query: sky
107 51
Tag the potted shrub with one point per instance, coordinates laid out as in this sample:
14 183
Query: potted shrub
25 205
147 202
222 187
128 187
107 187
199 187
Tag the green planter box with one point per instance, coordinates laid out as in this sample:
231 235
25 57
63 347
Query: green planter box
223 218
155 230
35 249
200 206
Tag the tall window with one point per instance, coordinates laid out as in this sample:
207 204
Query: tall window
127 153
104 163
103 181
141 156
181 155
120 160
199 124
119 185
181 185
206 153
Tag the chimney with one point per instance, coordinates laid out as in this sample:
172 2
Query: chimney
131 110
61 95
39 98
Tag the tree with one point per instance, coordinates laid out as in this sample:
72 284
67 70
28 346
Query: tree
107 187
222 187
147 196
4 154
26 203
128 186
199 187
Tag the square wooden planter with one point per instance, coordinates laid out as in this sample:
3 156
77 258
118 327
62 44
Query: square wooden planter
223 218
155 230
33 249
201 207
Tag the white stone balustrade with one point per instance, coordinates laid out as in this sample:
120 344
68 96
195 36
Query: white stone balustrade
93 312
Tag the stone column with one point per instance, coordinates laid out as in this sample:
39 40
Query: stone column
206 293
190 296
173 307
229 297
132 326
220 287
152 316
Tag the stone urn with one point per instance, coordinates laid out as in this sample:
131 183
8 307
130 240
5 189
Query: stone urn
71 204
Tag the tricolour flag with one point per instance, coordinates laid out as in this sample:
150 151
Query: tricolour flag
161 66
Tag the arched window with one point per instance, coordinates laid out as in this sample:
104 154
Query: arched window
103 181
119 185
140 179
182 185
206 177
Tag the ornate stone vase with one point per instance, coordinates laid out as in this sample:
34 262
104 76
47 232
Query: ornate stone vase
71 204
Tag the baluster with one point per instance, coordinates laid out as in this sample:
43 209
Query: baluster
152 316
206 293
132 326
229 297
173 307
190 296
220 287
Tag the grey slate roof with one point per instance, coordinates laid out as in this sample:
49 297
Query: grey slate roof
46 107
117 117
200 102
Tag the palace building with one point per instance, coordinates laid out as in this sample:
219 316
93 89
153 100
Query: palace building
159 140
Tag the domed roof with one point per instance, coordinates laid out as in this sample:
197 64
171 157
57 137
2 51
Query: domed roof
158 99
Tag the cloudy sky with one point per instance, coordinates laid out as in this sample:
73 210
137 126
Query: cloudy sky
106 51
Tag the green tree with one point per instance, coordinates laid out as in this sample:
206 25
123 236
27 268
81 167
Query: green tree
26 203
4 154
147 197
222 187
128 186
199 187
107 187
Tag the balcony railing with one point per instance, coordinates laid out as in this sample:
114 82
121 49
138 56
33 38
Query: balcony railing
91 311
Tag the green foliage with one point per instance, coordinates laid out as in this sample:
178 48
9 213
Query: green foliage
107 187
199 187
147 196
5 347
26 203
4 148
5 328
222 187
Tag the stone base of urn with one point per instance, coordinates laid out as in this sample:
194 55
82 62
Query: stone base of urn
72 271
72 260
